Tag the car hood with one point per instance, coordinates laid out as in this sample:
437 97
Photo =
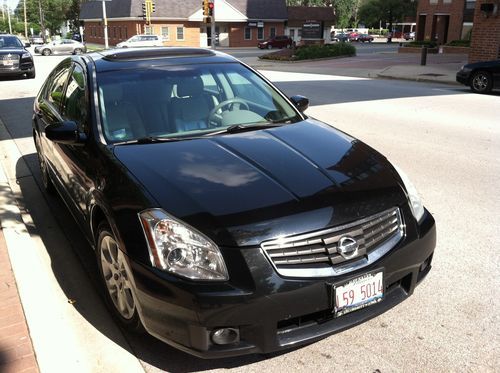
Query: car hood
483 64
12 51
240 189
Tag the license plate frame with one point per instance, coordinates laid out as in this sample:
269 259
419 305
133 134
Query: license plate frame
374 279
8 63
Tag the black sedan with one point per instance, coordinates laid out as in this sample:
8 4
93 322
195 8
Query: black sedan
224 220
481 77
15 60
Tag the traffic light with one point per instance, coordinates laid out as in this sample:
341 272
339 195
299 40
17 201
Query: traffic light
144 11
210 8
153 7
204 5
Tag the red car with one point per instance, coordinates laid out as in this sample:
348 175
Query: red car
280 41
365 37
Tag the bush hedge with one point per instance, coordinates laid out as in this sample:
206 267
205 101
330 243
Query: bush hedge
420 43
459 43
309 52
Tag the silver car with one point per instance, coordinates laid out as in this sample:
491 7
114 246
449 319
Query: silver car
62 46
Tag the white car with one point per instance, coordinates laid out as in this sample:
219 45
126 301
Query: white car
141 41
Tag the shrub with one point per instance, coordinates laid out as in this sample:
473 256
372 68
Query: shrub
308 52
459 43
420 43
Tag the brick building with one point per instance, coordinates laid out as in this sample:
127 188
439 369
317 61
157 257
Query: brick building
239 23
444 20
299 15
485 43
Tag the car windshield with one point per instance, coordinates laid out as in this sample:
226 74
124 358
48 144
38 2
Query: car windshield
10 42
187 101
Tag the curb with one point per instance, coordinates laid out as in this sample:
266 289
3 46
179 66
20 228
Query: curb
416 79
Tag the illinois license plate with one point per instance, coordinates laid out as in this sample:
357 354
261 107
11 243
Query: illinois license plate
358 293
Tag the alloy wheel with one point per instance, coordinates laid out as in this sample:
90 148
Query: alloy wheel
116 278
480 82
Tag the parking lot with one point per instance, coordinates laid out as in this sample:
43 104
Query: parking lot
444 137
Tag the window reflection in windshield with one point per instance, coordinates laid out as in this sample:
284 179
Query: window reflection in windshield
186 100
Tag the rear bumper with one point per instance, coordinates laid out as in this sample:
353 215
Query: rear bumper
270 312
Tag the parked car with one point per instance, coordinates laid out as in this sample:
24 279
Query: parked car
36 39
481 77
409 35
354 36
141 41
62 46
224 220
15 60
365 37
341 36
279 41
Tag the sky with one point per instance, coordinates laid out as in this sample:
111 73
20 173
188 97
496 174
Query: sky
11 3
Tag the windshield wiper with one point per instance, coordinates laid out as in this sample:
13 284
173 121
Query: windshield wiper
153 139
237 128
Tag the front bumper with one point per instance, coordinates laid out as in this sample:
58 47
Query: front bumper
271 312
463 77
16 70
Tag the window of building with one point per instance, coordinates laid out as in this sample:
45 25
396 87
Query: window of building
299 32
180 33
272 32
114 32
446 1
260 33
433 1
126 32
164 33
148 30
292 33
248 33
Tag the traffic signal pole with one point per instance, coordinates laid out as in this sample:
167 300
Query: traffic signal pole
212 24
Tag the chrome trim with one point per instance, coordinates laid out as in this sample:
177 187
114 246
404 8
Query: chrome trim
366 253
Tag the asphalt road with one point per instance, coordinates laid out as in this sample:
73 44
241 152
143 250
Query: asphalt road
445 138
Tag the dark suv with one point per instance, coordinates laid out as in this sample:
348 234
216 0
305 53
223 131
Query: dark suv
224 220
15 60
280 41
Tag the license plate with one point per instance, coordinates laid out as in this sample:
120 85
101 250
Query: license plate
8 62
358 293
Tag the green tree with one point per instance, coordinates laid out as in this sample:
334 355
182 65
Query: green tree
389 11
54 12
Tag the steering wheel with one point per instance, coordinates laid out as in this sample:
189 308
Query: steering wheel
214 117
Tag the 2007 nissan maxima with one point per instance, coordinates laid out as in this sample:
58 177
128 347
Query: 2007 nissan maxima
224 220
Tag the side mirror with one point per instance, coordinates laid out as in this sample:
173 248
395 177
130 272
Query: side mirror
27 45
64 133
301 102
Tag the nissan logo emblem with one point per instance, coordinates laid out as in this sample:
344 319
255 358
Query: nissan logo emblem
348 247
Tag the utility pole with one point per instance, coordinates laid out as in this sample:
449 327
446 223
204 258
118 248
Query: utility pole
42 21
8 17
3 10
25 22
105 21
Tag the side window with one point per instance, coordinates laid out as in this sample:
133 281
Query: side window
76 99
56 88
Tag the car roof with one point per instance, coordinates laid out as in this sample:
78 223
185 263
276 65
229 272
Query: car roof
114 59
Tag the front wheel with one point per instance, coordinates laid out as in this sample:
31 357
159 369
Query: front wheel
481 82
77 51
46 52
116 280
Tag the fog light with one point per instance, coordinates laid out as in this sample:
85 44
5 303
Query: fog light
225 336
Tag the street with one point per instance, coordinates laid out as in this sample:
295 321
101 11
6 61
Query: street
445 138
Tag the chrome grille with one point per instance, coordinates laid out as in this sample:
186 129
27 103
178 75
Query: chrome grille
317 254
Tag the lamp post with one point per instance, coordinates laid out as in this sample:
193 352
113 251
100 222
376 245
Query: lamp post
105 21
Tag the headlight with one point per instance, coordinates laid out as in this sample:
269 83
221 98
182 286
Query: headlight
177 248
415 202
26 55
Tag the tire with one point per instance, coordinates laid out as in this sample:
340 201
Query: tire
46 52
31 74
269 46
481 82
47 183
77 51
116 285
